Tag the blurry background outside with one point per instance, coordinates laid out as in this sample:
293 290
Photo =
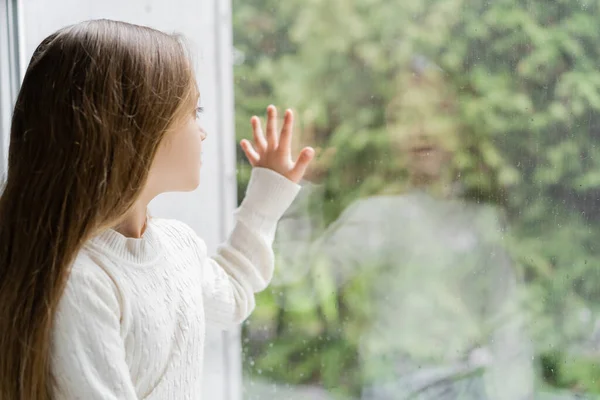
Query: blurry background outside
456 196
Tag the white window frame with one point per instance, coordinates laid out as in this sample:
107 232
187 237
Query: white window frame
11 66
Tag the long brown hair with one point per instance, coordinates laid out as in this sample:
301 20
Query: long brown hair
95 103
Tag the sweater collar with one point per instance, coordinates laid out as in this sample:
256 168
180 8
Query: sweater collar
140 251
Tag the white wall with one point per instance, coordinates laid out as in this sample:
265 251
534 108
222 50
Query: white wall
207 25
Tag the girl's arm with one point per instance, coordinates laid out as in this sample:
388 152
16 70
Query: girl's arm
244 264
88 354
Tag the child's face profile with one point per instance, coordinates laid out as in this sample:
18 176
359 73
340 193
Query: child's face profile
176 166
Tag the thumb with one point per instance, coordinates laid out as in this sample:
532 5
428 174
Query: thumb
306 156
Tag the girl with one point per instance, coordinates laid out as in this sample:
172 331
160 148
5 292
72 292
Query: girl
97 301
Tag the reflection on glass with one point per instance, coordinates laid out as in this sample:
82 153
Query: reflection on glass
446 245
443 319
441 316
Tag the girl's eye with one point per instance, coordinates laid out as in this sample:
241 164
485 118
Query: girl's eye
199 110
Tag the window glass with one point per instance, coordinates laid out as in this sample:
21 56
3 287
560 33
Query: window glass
445 243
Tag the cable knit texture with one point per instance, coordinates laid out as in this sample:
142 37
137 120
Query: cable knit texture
131 322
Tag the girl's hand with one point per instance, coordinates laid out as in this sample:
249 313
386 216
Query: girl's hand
275 152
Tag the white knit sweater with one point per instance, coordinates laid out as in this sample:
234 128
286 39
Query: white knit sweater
131 322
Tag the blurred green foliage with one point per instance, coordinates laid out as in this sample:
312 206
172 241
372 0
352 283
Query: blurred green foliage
526 79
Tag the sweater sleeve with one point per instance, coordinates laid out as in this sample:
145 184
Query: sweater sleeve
510 375
243 265
87 352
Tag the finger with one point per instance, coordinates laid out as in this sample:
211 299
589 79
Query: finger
251 154
299 169
272 140
285 140
259 138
